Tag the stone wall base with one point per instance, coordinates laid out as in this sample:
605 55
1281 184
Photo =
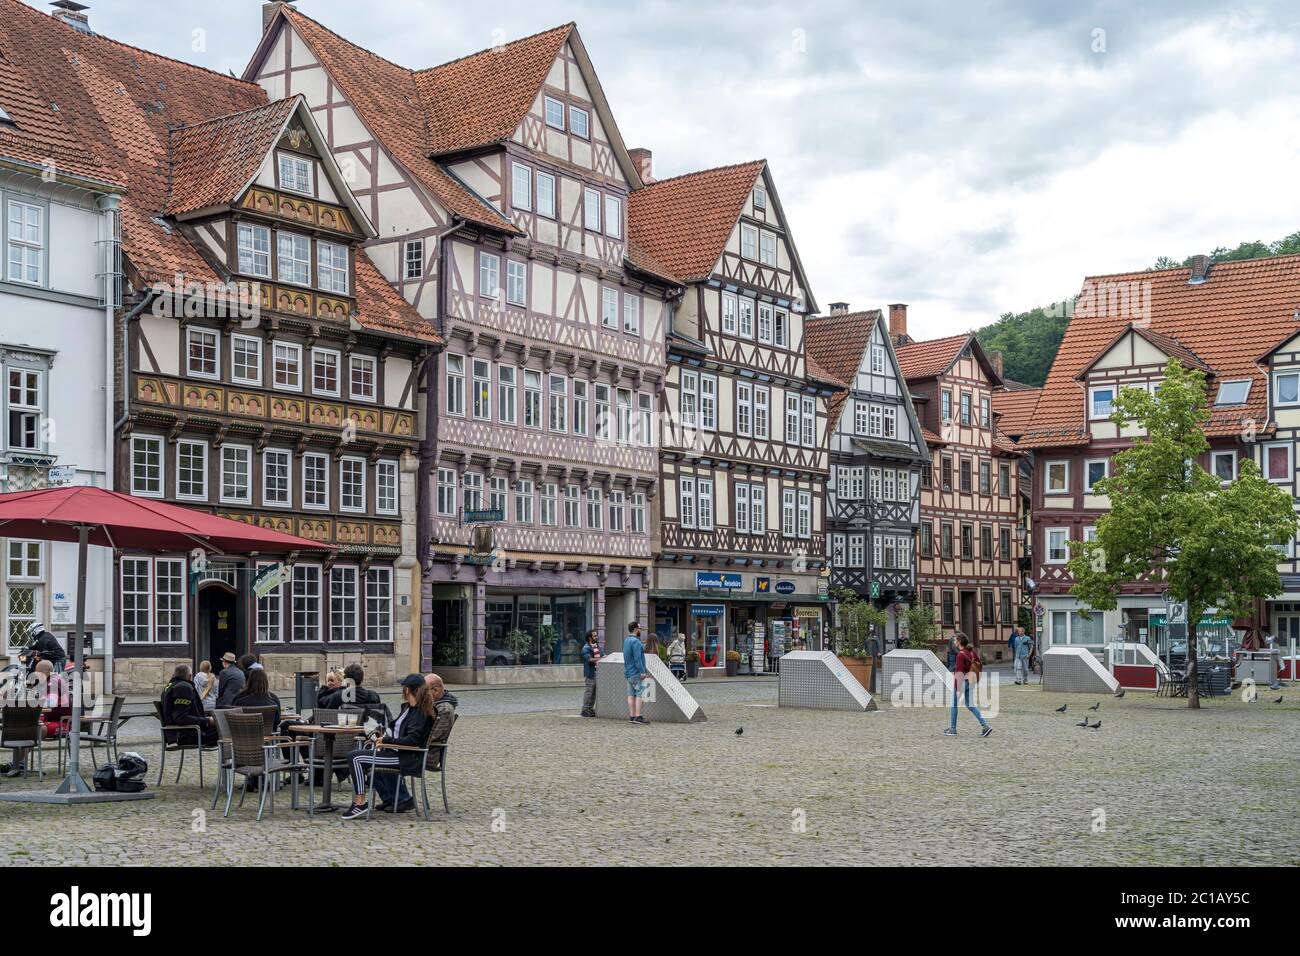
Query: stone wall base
144 675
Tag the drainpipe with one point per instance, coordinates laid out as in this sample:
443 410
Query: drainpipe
109 206
429 440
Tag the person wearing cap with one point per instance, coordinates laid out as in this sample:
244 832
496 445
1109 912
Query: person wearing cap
410 729
230 681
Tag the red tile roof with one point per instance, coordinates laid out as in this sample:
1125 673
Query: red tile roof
919 360
390 100
835 343
1015 409
684 222
482 98
1242 311
214 161
122 103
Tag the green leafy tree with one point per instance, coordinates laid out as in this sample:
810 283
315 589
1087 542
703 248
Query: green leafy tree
857 618
1211 543
922 629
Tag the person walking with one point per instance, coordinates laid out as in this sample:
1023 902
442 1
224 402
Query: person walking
635 672
590 658
967 672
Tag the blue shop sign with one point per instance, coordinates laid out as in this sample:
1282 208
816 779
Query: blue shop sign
714 580
785 587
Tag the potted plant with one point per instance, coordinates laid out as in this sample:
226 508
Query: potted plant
520 644
692 665
858 620
733 663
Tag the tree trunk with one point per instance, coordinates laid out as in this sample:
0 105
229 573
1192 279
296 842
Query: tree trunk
1193 687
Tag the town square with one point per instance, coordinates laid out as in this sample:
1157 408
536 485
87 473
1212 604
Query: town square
566 435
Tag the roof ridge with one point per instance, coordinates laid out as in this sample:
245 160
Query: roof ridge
288 8
225 116
1181 268
701 172
568 27
843 315
80 35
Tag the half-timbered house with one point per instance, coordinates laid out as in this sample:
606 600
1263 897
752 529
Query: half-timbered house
969 543
499 184
877 456
1235 322
266 370
744 458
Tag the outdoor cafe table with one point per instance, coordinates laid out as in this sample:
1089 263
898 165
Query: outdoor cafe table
327 734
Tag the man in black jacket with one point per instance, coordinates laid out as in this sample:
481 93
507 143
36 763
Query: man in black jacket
230 681
352 693
181 707
48 647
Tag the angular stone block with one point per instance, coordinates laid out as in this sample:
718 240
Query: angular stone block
911 676
1076 670
665 699
820 681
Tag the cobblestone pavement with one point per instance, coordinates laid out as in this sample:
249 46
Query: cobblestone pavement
1177 787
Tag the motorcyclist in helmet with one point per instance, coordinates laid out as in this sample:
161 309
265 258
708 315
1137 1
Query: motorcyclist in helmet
47 646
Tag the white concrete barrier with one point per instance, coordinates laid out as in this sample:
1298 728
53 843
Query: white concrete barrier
819 680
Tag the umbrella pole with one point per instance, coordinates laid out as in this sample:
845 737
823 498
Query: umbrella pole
73 783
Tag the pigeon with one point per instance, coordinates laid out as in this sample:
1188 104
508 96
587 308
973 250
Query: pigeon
1278 701
739 731
1082 723
1096 726
1061 709
1096 706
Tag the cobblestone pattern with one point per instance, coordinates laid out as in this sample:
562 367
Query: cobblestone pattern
1177 787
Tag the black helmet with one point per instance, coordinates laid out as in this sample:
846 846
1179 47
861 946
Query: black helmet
131 764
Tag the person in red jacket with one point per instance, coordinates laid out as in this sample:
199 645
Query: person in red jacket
962 679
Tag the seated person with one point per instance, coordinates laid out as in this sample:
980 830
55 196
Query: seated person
411 729
56 698
181 707
257 693
333 682
350 691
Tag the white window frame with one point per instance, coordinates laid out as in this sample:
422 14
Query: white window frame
1093 414
301 173
290 349
545 209
332 267
201 495
356 362
1047 545
326 357
247 251
1088 484
613 216
480 389
521 187
446 496
686 501
730 312
309 459
1277 388
507 394
517 282
29 249
1047 478
749 241
202 333
413 259
234 451
242 341
455 384
489 275
575 111
547 104
344 483
294 250
387 476
591 209
267 456
151 486
1289 448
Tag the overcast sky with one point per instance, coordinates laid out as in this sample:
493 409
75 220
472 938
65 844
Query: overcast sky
968 159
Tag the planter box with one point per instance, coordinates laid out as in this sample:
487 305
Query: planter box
860 668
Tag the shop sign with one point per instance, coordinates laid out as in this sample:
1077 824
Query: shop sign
763 585
482 515
823 588
715 580
785 587
706 610
270 579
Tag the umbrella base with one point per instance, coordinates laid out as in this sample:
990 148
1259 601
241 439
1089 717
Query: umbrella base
66 799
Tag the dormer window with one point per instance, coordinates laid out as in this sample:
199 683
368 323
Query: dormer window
554 113
332 267
1233 393
5 118
254 244
1101 401
293 259
295 173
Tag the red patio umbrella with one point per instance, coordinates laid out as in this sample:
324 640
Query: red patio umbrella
95 516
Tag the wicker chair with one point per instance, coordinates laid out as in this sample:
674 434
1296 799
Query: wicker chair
22 731
181 745
268 714
255 756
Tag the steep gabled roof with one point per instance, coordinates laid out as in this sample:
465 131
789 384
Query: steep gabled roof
482 98
684 222
1165 343
1015 409
1240 312
921 360
388 100
214 161
124 103
836 344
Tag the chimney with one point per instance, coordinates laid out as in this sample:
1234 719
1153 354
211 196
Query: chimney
995 357
643 160
839 308
898 321
71 13
1200 270
268 11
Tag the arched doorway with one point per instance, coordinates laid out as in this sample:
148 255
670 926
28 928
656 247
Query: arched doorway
218 623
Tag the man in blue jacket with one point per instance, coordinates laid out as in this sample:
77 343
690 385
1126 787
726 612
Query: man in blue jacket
634 671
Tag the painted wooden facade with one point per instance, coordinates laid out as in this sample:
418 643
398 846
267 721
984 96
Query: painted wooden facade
295 413
540 463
